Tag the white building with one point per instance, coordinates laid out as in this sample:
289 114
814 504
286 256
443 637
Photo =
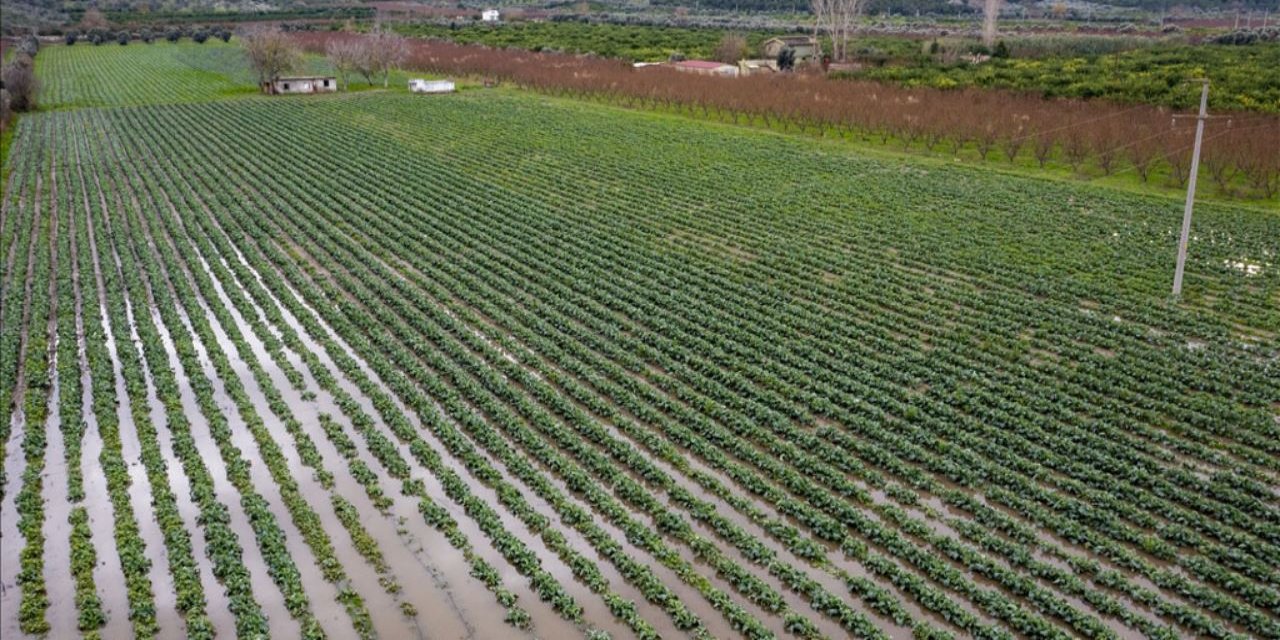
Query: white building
419 85
490 15
706 68
301 84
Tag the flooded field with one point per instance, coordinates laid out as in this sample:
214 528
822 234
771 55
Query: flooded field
491 366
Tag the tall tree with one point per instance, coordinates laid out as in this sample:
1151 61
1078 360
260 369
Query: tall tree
384 51
990 13
270 52
93 19
345 56
731 48
837 19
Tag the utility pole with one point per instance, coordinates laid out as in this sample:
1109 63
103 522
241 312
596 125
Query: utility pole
1191 189
990 13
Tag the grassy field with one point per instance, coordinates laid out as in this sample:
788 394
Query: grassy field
110 75
493 365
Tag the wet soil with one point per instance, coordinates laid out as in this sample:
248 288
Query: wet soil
265 592
11 540
482 616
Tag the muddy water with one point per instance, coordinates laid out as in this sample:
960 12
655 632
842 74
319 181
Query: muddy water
423 550
594 609
265 591
546 622
140 488
24 329
482 616
830 582
383 609
108 575
308 487
217 605
11 540
541 612
162 585
430 597
62 614
319 591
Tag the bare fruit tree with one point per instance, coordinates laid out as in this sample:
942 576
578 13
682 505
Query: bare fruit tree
384 51
271 52
731 49
836 18
346 56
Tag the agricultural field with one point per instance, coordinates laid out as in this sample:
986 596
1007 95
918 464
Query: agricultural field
495 365
110 75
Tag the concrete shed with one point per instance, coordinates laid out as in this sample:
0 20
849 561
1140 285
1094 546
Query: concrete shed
301 84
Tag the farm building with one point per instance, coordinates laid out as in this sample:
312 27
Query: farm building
490 15
804 46
706 68
756 67
419 85
301 84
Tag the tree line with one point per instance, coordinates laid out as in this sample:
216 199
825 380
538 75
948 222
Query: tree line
1089 137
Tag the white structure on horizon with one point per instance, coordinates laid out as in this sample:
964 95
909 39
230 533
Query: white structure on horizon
490 15
419 85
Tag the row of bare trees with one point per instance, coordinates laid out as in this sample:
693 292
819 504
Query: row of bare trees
1091 137
371 56
272 53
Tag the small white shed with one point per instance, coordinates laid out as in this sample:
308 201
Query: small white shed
490 15
419 85
301 84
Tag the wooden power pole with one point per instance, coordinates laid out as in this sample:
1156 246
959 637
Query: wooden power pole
1191 190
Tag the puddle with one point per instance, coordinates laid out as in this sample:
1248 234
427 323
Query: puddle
10 593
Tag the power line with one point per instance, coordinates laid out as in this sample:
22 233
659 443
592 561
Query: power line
1077 124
